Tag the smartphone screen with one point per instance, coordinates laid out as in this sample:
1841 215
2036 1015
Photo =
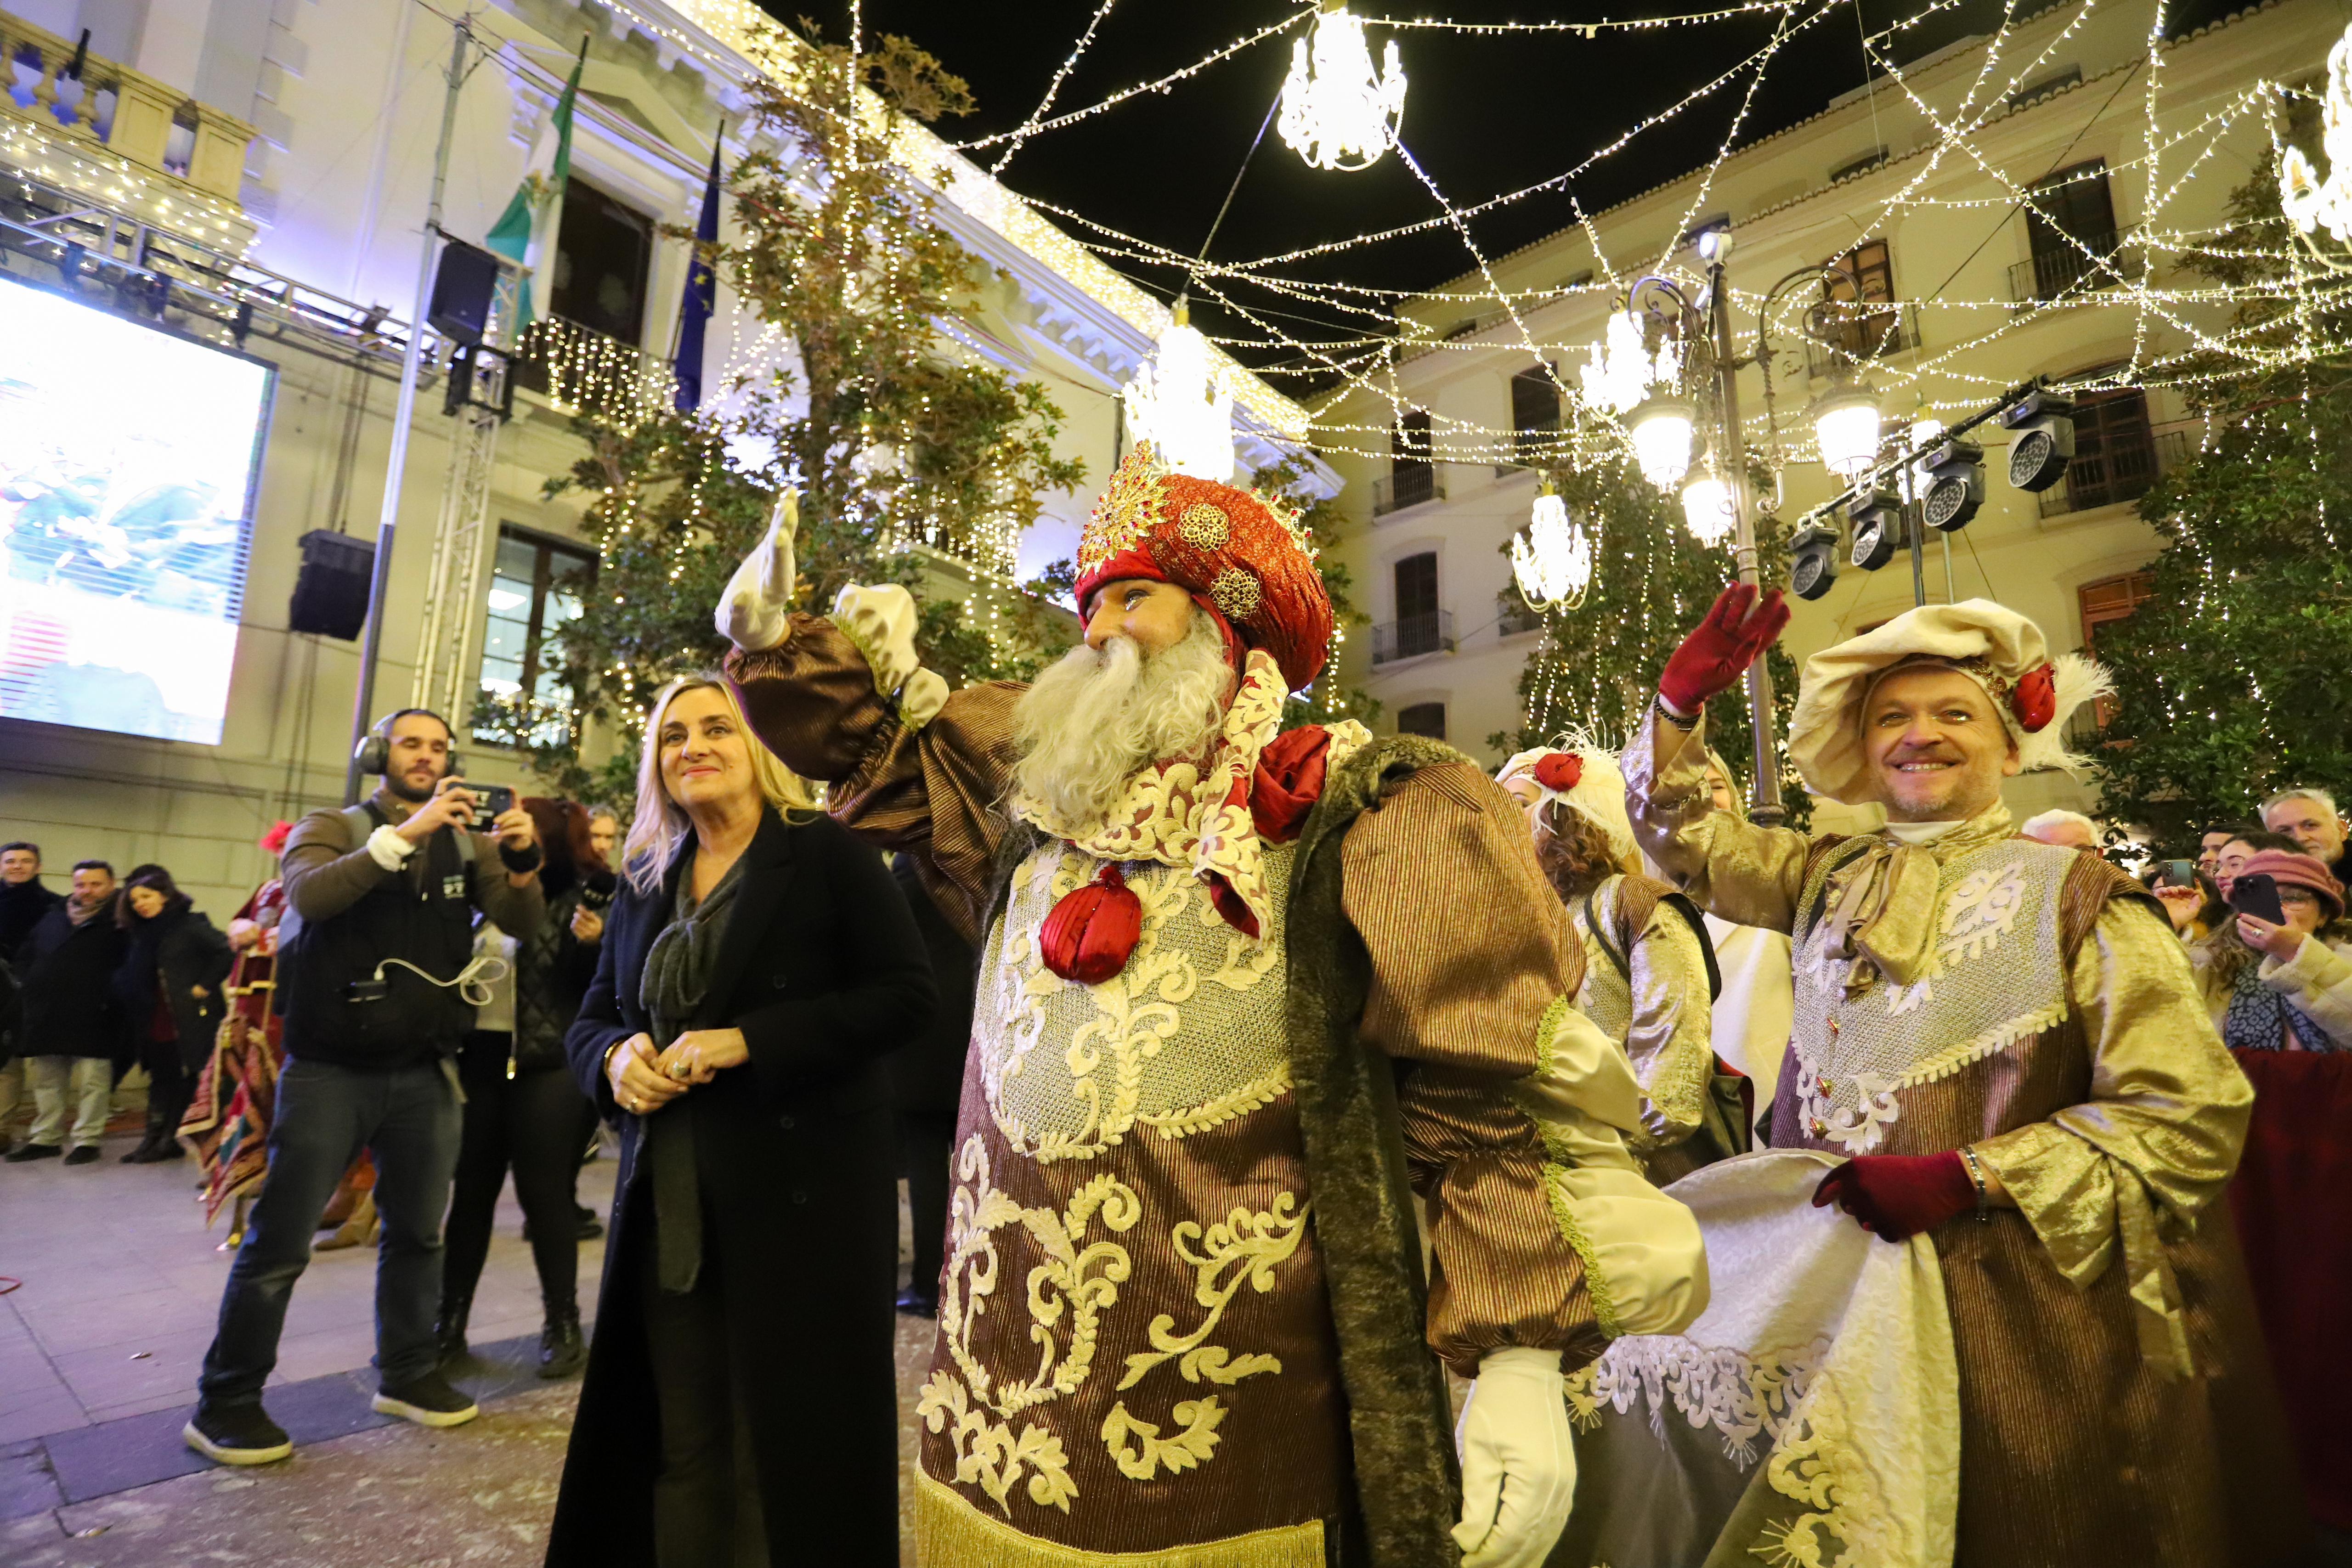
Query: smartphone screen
2177 873
2257 895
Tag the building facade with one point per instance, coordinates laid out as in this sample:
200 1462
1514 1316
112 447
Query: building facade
253 175
1997 203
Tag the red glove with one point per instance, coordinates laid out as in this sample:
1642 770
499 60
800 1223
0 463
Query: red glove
1898 1196
1713 658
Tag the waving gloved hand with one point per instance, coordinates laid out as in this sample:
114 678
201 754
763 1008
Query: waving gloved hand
756 610
1715 656
1518 1460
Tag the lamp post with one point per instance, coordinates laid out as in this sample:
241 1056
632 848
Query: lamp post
1695 373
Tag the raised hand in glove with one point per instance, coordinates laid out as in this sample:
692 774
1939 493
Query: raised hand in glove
756 610
1712 658
1518 1460
1895 1197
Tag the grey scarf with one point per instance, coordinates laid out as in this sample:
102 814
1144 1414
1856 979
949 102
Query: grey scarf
677 976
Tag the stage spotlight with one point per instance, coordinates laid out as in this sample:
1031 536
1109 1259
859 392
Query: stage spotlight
1952 486
1877 518
2045 442
1813 560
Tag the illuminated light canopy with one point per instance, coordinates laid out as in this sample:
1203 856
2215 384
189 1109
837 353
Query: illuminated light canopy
1552 557
1661 430
1337 111
1707 509
1180 403
1845 427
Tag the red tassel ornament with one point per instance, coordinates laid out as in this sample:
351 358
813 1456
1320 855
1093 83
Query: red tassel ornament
2035 700
1090 933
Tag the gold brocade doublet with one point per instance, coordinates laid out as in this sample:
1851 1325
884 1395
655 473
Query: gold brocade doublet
1135 1347
1994 976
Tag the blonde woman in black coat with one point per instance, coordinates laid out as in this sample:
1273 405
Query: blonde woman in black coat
739 1406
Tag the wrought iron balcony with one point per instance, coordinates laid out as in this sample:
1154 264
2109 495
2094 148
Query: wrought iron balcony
1860 335
1513 614
1411 636
2120 470
1411 485
2092 262
581 371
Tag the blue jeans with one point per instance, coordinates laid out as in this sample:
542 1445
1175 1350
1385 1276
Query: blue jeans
326 1114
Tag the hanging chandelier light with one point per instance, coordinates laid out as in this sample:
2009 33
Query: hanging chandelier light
1180 402
1337 112
1621 370
1661 430
2310 202
1552 557
1845 427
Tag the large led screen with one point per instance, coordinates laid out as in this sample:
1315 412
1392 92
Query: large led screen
127 465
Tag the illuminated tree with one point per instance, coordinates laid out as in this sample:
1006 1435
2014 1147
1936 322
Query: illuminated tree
896 443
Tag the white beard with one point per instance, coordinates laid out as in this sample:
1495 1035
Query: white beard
1095 720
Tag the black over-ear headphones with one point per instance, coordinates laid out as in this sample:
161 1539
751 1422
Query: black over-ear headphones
374 753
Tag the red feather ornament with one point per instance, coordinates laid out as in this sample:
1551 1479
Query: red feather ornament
1560 770
2035 700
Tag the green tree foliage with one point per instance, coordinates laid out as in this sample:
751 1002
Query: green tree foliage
2231 678
896 444
1596 668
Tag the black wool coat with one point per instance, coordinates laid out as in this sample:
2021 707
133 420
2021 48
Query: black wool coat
821 967
927 1073
67 974
186 950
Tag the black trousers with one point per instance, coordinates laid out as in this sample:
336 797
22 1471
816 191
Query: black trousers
707 1496
926 1146
170 1086
531 1124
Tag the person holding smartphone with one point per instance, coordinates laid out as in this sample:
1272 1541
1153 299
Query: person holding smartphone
377 984
2277 974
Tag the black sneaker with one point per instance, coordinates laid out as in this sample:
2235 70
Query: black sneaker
87 1154
239 1435
36 1151
428 1401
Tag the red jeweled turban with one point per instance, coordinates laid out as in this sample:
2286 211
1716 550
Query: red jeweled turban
1241 555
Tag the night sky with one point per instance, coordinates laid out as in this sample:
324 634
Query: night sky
1483 114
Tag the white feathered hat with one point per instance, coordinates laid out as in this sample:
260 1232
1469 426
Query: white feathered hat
1584 778
1996 647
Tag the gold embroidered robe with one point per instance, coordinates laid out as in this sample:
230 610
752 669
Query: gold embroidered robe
1136 1349
1658 1006
2104 1100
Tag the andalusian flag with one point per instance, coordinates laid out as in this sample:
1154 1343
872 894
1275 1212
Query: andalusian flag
525 232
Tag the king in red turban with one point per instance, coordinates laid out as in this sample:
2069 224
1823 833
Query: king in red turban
1247 1000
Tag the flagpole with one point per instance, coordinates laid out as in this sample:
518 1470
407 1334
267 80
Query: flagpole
403 414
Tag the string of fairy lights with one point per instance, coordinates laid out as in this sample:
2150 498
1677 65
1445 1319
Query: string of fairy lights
1966 156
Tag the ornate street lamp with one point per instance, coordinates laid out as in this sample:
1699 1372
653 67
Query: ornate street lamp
1845 428
1337 111
1180 402
1707 509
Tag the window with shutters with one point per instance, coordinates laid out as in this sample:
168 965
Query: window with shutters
2069 225
1423 718
536 586
1535 412
1413 477
603 253
1860 295
2115 450
2103 603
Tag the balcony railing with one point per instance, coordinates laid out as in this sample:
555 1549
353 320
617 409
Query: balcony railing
2120 471
1411 636
1513 616
124 110
2093 261
582 370
1409 484
1863 334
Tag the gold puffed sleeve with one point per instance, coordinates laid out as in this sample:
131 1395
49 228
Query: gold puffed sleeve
1730 867
925 785
1513 1105
2158 1139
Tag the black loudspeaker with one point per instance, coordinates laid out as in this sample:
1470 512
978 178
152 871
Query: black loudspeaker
463 287
330 592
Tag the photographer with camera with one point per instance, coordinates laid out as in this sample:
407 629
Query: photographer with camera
378 983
